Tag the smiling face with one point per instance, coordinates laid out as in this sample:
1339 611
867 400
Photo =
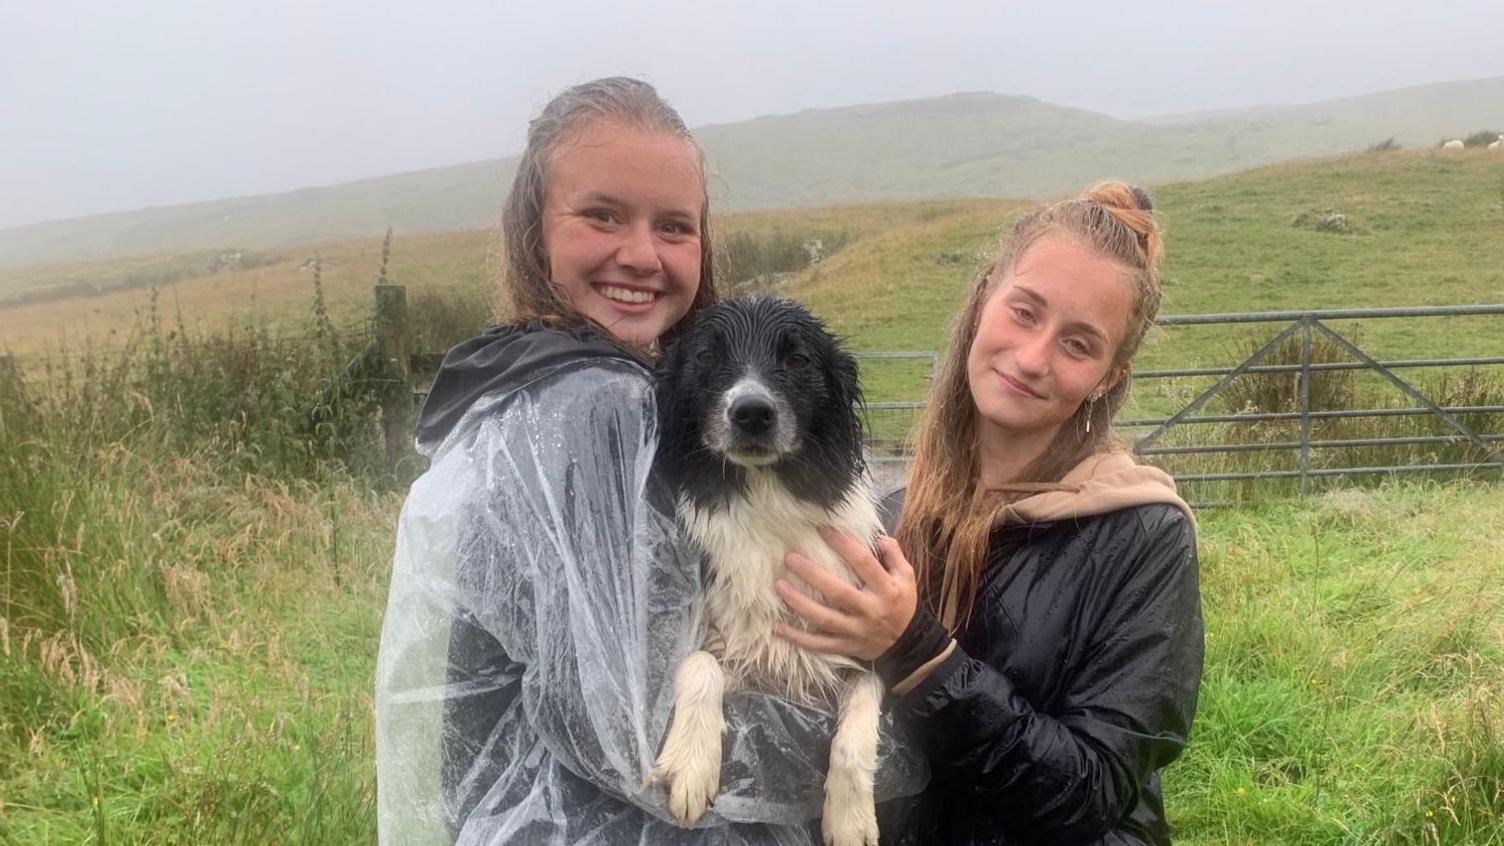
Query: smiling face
621 228
1046 340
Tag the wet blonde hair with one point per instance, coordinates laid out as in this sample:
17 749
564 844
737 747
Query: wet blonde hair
948 515
526 283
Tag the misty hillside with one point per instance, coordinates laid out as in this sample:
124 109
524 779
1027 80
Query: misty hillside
975 144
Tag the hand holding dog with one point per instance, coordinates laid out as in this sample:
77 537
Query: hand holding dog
862 622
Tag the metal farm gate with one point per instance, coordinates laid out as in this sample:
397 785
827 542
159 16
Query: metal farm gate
1475 427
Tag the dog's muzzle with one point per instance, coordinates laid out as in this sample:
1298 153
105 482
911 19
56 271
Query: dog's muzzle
751 426
752 415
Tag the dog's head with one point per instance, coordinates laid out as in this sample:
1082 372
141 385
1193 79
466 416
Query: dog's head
759 383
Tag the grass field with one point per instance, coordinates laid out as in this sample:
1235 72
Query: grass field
192 587
1355 645
208 679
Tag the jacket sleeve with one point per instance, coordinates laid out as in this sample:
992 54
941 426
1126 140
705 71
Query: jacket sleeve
536 605
1072 775
574 573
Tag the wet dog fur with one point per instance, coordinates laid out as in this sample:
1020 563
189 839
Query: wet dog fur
761 437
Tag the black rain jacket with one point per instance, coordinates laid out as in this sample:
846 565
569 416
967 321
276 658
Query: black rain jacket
1073 684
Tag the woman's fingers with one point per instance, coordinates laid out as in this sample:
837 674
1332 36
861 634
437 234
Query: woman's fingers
828 584
892 557
858 557
810 609
860 622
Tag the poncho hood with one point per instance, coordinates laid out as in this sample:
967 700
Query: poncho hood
1105 482
503 358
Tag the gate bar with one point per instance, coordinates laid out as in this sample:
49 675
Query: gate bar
1259 417
1333 471
1318 365
1325 314
1275 446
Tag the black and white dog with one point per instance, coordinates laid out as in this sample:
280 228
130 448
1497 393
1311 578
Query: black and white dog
761 436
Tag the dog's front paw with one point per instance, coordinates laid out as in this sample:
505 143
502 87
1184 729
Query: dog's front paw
850 819
690 762
692 781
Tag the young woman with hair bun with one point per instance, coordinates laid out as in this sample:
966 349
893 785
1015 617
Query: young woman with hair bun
1046 642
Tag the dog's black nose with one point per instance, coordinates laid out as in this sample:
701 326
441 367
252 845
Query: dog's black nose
752 415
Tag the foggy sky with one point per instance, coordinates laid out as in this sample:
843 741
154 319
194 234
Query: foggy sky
107 106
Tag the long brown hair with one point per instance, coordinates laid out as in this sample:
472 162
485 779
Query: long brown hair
526 281
948 515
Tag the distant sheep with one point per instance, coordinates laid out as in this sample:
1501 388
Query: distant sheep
1497 144
1454 144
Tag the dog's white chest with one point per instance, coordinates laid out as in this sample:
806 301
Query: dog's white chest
746 540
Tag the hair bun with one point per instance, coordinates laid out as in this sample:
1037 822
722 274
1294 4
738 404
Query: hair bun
1134 208
1119 195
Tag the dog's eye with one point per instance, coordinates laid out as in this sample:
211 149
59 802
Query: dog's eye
705 356
796 361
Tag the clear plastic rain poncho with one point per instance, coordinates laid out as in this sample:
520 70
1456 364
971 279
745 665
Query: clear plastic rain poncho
541 601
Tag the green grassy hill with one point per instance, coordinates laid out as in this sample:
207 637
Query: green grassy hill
972 145
1427 228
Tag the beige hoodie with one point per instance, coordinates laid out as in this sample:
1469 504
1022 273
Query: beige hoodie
1104 482
1107 481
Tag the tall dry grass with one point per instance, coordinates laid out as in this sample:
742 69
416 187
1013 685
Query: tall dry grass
168 523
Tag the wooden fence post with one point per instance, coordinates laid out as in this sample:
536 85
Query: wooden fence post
397 399
10 374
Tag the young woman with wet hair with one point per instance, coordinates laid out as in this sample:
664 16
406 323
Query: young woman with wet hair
589 139
1047 641
541 597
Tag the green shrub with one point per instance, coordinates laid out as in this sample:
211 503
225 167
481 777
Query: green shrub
1268 393
1325 220
747 257
1481 138
438 321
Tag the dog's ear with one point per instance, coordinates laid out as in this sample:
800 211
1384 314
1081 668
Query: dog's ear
842 376
840 427
844 382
